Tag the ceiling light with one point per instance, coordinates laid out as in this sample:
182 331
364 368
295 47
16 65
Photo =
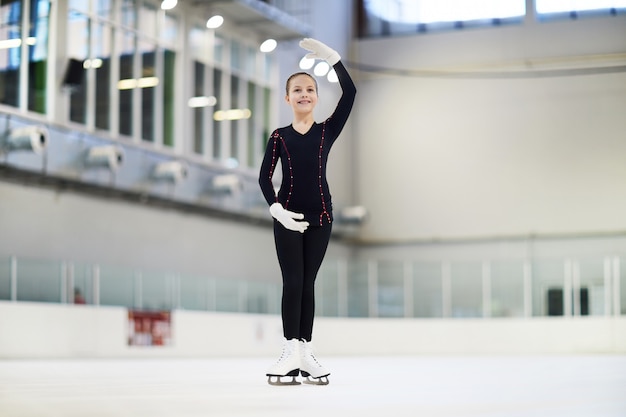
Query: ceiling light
168 4
202 101
321 69
16 42
269 45
232 114
306 63
332 76
214 22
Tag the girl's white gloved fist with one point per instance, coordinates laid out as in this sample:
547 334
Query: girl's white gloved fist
288 218
320 50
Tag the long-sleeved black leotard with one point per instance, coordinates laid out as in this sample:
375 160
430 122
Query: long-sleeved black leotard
304 188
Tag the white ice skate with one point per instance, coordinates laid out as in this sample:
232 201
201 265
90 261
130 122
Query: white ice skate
310 368
287 365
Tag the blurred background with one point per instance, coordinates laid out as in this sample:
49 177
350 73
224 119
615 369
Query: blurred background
479 186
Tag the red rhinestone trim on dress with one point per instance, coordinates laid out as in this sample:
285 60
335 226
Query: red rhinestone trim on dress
273 165
319 178
276 136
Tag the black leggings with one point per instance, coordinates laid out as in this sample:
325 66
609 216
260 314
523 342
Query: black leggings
300 256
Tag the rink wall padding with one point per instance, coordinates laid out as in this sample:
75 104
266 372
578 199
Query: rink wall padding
40 330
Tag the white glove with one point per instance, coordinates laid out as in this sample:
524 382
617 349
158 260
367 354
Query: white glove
287 218
319 51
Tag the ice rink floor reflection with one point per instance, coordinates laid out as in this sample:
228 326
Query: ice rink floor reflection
425 386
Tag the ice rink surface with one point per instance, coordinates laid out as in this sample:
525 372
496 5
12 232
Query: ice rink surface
424 386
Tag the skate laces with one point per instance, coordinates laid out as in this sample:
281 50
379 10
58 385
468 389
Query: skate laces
287 351
308 353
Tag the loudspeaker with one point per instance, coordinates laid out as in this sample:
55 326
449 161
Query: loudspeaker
74 73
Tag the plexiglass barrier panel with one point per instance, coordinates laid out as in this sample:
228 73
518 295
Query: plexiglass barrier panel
391 286
83 291
507 288
548 281
516 288
466 289
158 291
228 296
327 289
358 290
197 293
5 278
620 280
39 280
591 295
117 286
427 289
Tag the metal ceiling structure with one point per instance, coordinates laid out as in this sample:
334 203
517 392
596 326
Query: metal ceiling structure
287 22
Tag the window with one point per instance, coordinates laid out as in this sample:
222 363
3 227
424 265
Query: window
38 56
433 11
234 124
129 13
198 111
78 52
146 83
384 18
10 52
217 126
252 131
169 60
547 9
17 41
100 63
119 75
126 50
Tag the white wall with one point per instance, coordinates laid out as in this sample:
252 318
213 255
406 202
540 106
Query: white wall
31 330
445 158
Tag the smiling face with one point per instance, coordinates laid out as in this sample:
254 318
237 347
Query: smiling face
301 93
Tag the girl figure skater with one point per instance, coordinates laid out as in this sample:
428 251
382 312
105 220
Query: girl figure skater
302 210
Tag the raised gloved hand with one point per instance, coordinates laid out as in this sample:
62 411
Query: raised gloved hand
319 50
288 218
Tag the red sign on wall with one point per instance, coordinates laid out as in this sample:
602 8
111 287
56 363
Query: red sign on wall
149 328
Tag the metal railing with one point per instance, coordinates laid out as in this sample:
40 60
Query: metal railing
371 288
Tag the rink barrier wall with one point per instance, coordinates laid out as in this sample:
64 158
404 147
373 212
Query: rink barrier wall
42 331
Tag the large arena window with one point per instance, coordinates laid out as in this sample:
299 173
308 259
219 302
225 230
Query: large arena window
388 18
573 9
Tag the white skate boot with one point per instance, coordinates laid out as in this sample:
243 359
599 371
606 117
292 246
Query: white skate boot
310 368
287 365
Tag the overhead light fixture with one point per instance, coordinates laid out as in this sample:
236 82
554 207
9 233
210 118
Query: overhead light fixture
106 156
225 184
332 76
170 171
214 21
306 63
202 101
268 45
168 4
131 83
321 69
355 215
27 138
232 114
92 63
17 42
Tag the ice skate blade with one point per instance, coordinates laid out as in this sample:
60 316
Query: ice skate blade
276 379
277 382
322 380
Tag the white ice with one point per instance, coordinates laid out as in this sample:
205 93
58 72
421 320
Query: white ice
424 386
